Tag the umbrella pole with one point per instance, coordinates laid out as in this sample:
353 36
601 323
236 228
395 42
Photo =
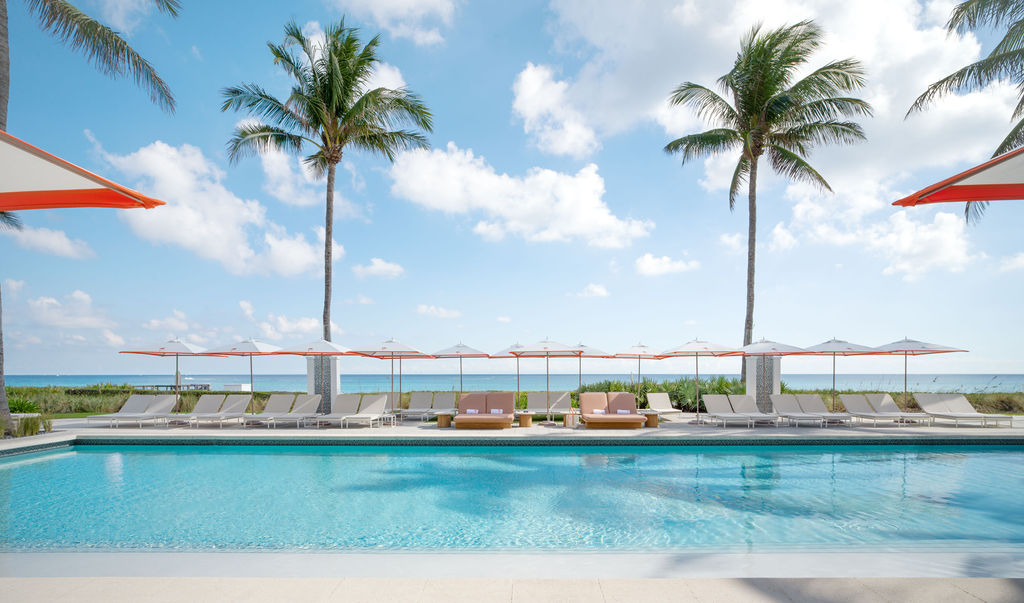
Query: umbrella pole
547 382
392 381
177 382
904 379
696 382
638 379
579 373
460 376
833 382
399 401
517 378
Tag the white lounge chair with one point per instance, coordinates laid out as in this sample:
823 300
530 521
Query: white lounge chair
207 403
661 404
719 409
857 405
885 403
343 405
536 404
812 403
561 402
233 408
787 407
420 404
746 405
277 405
371 411
304 409
956 407
444 403
135 405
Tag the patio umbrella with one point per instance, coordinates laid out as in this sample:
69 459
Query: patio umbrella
172 347
698 348
320 349
510 352
547 350
770 348
248 347
837 347
392 350
640 352
460 351
998 179
912 347
586 352
31 178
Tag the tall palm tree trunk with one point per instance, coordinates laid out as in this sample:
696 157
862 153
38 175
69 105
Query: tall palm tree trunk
5 87
748 322
328 251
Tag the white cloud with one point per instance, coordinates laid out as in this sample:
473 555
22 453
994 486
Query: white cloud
733 241
385 75
288 180
124 15
504 319
277 327
53 242
557 128
247 309
417 20
111 338
195 52
361 300
203 216
544 205
74 312
13 286
649 265
782 238
1012 263
177 322
913 248
593 290
378 267
437 311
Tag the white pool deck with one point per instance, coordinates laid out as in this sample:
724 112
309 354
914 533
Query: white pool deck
830 575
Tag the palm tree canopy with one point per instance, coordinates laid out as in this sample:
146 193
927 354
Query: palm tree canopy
767 108
9 221
102 46
1004 62
329 106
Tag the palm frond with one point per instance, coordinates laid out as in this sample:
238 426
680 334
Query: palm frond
828 109
830 80
974 210
168 7
739 176
1013 140
9 221
818 133
263 105
711 142
706 103
794 167
389 143
102 46
973 14
254 139
973 76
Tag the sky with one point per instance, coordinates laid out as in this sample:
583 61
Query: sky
545 206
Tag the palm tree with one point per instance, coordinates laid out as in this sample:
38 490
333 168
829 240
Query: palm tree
773 114
1005 61
328 110
107 51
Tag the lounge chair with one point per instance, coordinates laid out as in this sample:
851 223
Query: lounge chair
719 409
812 403
561 402
885 403
857 405
744 404
536 404
787 407
233 408
343 405
956 407
617 410
373 409
277 404
444 403
135 405
207 403
493 410
660 403
420 404
304 409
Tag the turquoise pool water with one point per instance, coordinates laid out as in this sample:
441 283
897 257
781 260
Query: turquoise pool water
201 498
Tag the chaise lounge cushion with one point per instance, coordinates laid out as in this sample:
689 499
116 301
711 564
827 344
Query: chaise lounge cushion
484 404
591 402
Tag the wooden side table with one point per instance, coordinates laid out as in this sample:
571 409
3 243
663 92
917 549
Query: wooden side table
526 420
444 420
652 419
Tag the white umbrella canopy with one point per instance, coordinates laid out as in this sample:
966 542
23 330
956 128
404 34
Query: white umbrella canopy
547 350
698 348
172 347
392 350
837 347
247 347
770 348
460 351
319 349
912 347
640 352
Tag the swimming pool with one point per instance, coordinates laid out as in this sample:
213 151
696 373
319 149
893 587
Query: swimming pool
573 498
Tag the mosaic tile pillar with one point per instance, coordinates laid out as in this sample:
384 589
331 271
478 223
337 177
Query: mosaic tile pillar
322 378
763 379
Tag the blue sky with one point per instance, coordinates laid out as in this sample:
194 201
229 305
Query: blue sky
545 207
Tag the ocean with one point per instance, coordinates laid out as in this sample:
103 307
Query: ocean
981 383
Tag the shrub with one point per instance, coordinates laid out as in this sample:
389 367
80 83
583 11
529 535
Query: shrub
21 405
